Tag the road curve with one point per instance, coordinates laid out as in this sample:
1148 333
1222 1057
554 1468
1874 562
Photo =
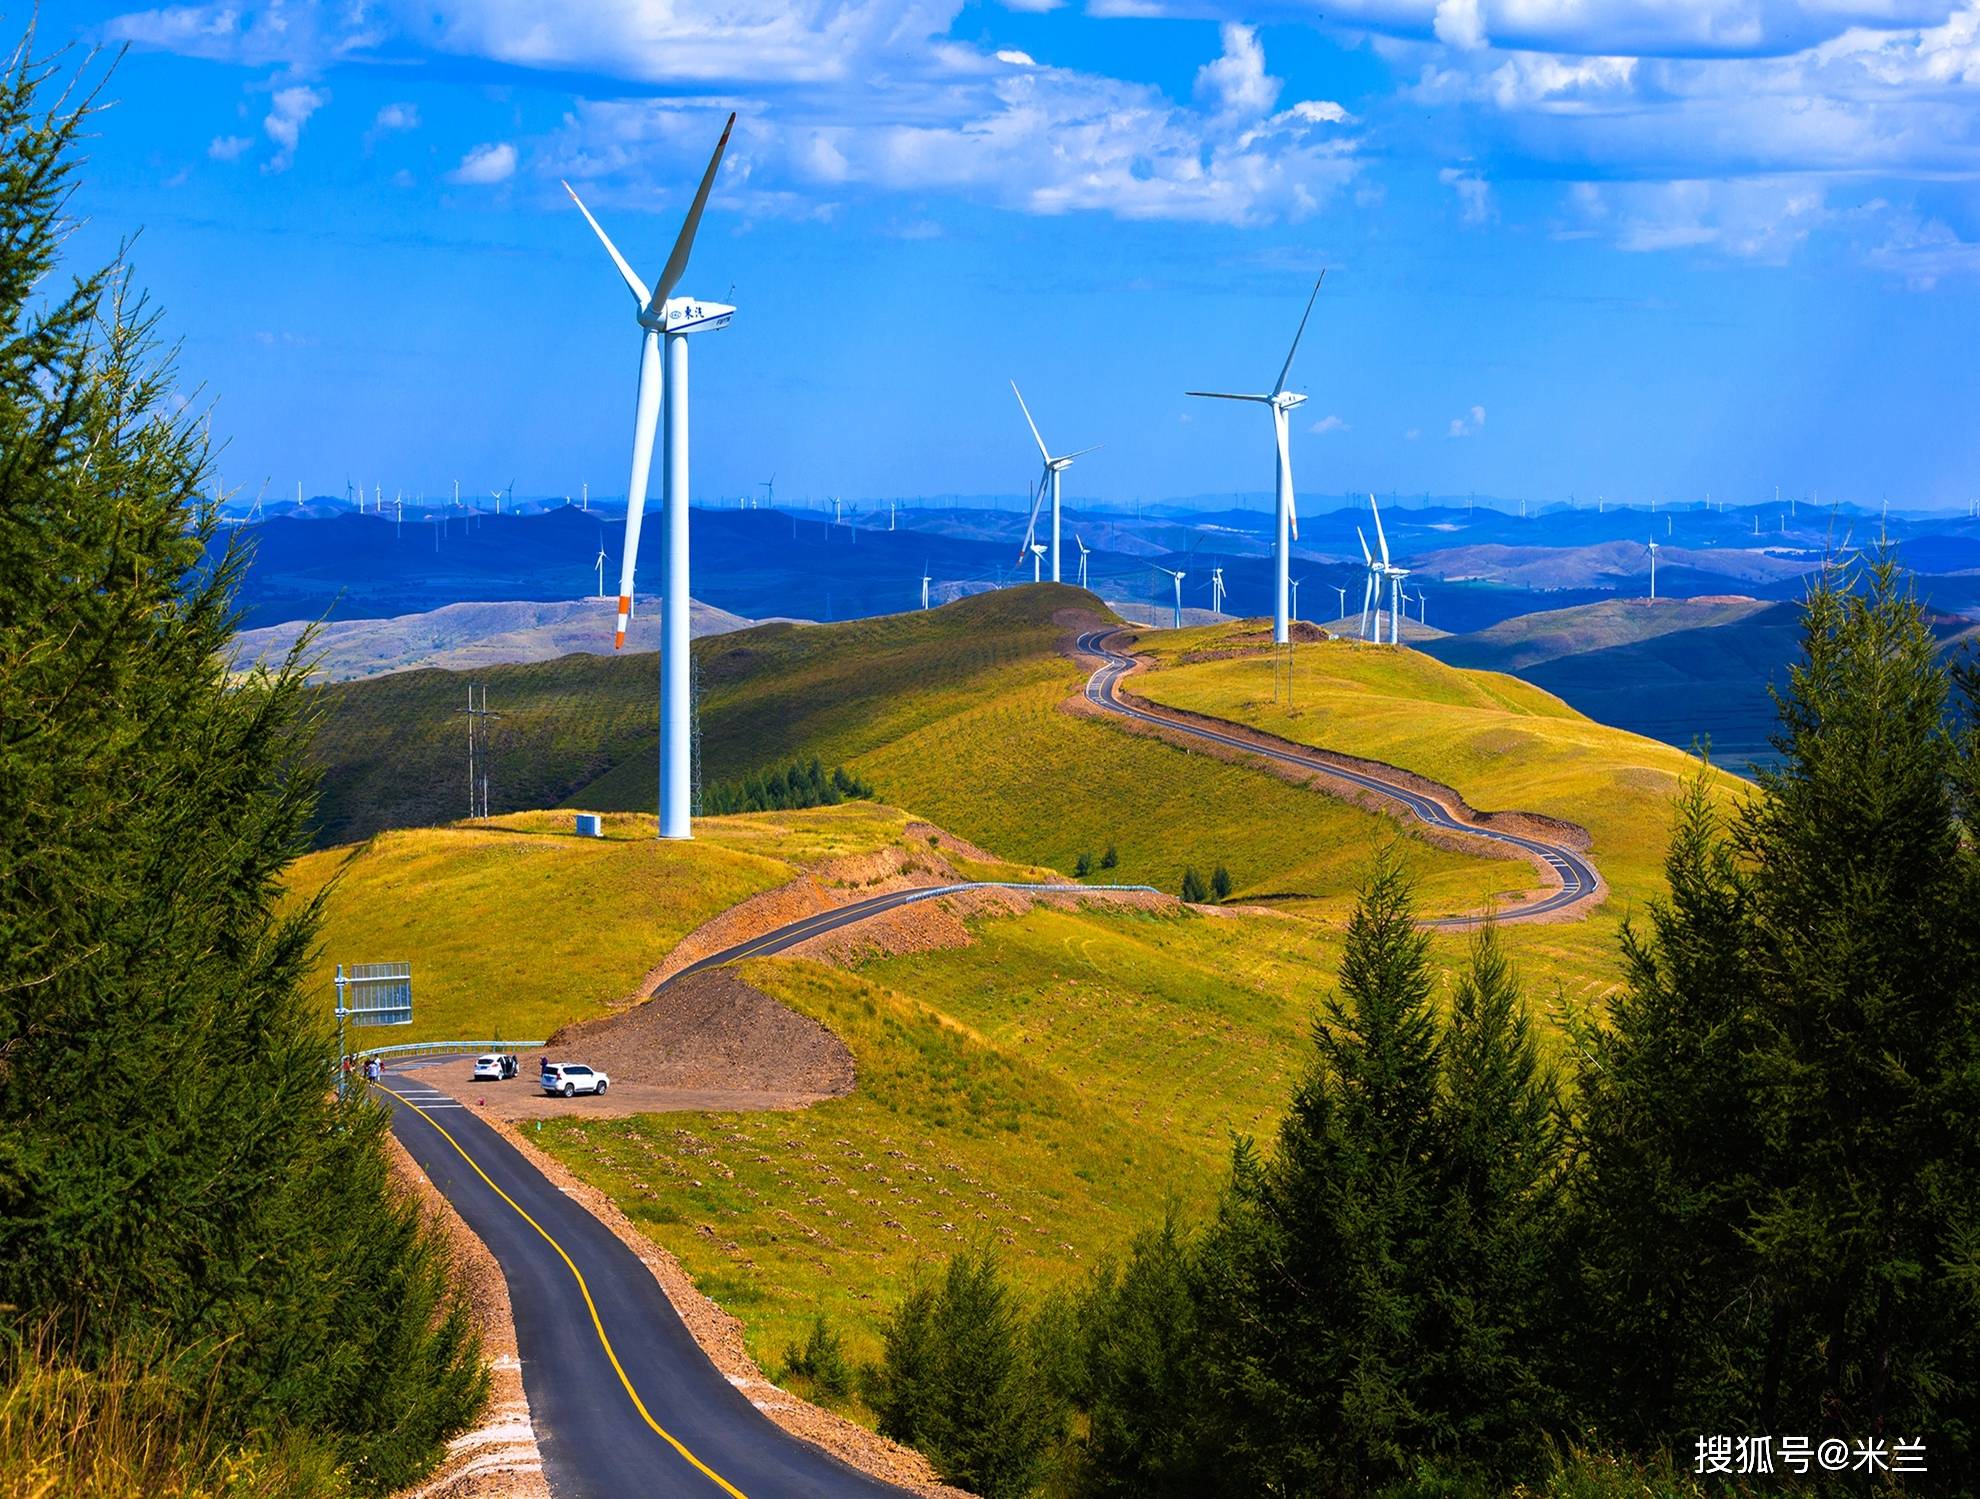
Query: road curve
624 1401
1576 876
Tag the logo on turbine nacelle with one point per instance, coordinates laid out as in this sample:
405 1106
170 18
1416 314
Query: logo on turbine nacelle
686 315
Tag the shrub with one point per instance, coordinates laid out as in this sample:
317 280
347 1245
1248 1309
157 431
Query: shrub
1083 866
821 1359
1220 883
1110 858
1192 887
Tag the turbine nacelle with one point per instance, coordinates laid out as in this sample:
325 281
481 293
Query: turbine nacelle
686 315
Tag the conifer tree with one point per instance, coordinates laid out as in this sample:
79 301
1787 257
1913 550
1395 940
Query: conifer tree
178 1185
1317 1272
1487 1350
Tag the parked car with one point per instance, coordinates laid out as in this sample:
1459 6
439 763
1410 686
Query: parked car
566 1079
495 1067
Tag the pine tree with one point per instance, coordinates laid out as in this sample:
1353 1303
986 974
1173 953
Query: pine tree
1864 945
177 1183
1317 1273
1192 887
1488 1354
1220 883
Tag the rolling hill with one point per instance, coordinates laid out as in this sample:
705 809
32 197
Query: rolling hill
960 714
465 637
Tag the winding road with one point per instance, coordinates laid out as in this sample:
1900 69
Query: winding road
624 1401
1576 875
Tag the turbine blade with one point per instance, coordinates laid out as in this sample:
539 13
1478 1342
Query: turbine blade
1366 556
1031 526
1380 539
1287 369
632 278
677 262
1080 453
1224 395
1042 452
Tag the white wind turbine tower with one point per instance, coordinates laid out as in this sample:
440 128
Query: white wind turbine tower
1295 598
1282 402
1179 583
1651 548
600 565
1053 468
1394 574
1371 594
664 316
924 585
1037 555
1217 592
1342 591
1083 552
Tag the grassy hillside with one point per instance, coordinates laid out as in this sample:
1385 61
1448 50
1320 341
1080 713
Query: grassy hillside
1502 743
1530 640
517 926
1046 1089
958 714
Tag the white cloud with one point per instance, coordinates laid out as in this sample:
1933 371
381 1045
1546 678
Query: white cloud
1329 423
1040 140
1760 219
397 117
486 165
1468 425
1925 252
1016 59
229 147
1236 83
1459 23
1474 193
288 111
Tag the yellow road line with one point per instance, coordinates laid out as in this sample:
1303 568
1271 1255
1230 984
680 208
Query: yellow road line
604 1341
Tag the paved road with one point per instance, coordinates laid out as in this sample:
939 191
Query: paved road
624 1401
1576 875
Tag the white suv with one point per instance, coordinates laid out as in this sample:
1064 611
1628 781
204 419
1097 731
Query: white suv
565 1079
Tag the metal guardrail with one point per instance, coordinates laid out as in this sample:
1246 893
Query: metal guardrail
435 1048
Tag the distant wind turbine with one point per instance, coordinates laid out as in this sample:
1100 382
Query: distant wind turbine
661 316
1178 577
1217 592
924 585
1083 553
1651 548
1053 468
1282 402
600 565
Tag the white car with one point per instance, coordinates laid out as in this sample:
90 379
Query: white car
566 1079
495 1067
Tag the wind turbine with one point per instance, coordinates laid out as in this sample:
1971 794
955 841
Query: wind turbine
924 585
1371 593
1651 547
664 316
1037 553
600 565
1179 583
1282 402
1394 574
1295 598
1342 591
1083 551
1217 591
1053 468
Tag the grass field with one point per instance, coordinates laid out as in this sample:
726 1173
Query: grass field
1503 744
517 926
1049 1087
957 714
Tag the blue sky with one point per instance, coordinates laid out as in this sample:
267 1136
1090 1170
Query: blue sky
1630 247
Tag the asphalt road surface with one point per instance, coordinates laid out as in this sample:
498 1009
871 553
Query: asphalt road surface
1576 875
624 1401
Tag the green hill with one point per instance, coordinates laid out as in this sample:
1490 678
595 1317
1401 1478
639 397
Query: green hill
960 714
1530 640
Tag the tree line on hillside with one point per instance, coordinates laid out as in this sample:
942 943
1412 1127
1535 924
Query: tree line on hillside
1732 1240
206 1279
798 785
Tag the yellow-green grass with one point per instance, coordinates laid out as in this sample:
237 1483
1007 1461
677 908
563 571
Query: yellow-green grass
516 926
956 713
1501 743
1043 1092
1047 1088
